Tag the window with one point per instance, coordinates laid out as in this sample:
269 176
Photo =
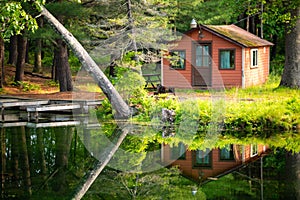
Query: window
177 59
178 152
254 150
227 59
202 158
226 153
202 56
254 57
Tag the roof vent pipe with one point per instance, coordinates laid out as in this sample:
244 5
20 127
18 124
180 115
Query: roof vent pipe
193 24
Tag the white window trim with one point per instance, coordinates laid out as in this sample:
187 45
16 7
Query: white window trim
254 65
252 154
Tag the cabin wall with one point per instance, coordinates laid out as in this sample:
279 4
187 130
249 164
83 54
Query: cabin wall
227 77
257 75
218 166
179 78
187 168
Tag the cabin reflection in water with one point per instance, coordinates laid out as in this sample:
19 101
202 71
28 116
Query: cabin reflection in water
202 165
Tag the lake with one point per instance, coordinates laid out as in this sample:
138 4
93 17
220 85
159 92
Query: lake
48 161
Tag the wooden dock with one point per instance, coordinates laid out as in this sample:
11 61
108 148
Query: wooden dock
33 107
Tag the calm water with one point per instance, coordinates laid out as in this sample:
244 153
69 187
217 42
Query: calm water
53 162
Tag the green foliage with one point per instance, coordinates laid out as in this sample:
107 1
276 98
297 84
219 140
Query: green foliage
51 83
131 87
104 112
15 19
75 64
277 65
26 86
228 185
162 184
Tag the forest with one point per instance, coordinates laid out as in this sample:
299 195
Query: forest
58 39
28 39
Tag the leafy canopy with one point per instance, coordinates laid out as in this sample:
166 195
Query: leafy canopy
15 18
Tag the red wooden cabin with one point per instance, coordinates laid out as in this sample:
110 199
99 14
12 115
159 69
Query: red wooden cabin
217 55
202 165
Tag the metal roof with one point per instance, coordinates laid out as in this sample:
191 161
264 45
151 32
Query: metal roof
237 35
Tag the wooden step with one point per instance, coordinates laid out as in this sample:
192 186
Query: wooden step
52 107
19 103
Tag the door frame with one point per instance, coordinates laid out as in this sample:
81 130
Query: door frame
209 44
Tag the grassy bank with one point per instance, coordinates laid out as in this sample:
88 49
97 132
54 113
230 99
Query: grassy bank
264 114
256 108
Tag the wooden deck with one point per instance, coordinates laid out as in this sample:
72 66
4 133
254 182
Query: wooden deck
33 106
50 124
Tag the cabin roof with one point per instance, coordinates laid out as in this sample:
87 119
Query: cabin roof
237 35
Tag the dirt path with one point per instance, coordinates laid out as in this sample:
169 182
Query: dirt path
41 88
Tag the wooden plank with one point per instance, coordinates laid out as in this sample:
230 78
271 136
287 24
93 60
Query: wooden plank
13 124
4 105
93 103
8 100
52 124
23 103
54 107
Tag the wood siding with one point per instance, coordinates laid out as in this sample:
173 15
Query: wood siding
257 75
242 154
220 77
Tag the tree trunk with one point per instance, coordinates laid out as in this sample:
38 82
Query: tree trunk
107 155
27 52
13 50
274 48
3 160
2 81
118 104
38 50
54 64
63 139
24 160
41 153
22 44
291 73
15 154
292 176
63 67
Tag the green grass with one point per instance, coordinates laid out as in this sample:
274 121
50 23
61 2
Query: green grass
267 91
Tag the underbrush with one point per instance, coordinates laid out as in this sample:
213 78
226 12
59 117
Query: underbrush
256 109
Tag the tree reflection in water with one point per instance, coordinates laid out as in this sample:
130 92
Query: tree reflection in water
51 163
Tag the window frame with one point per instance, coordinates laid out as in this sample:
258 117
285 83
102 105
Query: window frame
205 55
178 157
254 64
184 63
234 60
254 150
230 147
203 165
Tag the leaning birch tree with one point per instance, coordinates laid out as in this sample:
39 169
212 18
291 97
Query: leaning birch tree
118 104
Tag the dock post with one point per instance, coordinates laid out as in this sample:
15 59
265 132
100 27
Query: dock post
2 113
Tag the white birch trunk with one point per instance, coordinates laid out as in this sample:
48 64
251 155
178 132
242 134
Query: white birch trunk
118 104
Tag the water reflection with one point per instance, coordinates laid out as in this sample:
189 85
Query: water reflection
53 162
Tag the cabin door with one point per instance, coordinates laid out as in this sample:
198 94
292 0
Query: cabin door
201 73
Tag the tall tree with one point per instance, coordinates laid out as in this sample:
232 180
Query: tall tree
24 160
22 44
14 19
62 66
38 49
61 52
291 72
13 50
2 81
